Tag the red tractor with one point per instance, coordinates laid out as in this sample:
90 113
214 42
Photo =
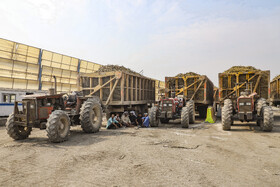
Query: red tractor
173 108
247 108
55 113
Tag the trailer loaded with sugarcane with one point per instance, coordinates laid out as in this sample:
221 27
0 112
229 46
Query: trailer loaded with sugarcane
275 91
185 94
244 96
118 91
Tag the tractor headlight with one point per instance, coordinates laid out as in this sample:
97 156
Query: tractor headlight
170 104
164 104
248 104
241 104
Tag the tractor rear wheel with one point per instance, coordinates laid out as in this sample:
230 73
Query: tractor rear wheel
190 105
227 115
164 120
185 117
153 117
58 126
260 104
15 131
91 116
267 121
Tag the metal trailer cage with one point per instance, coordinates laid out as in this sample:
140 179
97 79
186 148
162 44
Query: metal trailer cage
275 92
197 88
232 84
119 91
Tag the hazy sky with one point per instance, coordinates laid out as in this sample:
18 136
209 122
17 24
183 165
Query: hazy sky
163 38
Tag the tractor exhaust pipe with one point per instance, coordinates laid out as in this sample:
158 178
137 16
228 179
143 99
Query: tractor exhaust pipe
55 86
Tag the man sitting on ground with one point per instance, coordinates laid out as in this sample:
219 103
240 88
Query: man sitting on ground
146 120
112 123
139 120
118 119
125 119
132 118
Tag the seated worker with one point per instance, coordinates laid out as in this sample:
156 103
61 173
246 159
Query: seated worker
132 118
125 119
139 120
118 119
112 123
146 120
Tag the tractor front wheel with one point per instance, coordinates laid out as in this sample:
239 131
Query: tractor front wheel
227 115
153 117
15 131
91 116
58 126
185 117
266 123
190 105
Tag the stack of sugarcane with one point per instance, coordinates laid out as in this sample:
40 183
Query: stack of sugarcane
276 77
186 74
108 68
236 69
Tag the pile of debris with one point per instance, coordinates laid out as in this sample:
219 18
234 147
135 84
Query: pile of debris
108 68
236 69
186 74
276 77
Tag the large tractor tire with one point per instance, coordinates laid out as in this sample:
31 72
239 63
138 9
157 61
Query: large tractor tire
58 126
185 117
260 104
268 119
153 117
91 116
190 105
164 120
15 131
227 115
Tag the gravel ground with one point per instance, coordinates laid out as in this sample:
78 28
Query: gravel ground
203 155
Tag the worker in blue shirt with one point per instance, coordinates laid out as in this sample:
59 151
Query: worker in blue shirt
146 120
112 123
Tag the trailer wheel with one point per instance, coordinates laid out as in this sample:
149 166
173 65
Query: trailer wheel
153 117
164 120
91 116
227 115
185 117
58 126
15 131
260 104
268 119
190 105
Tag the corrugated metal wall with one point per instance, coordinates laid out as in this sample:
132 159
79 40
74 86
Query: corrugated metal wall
25 67
18 65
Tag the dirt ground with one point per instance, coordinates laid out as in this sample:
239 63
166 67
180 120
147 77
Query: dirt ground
203 155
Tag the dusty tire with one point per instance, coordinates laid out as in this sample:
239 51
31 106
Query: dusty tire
91 116
16 132
260 104
185 117
227 116
228 102
58 126
268 119
190 105
164 120
153 117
